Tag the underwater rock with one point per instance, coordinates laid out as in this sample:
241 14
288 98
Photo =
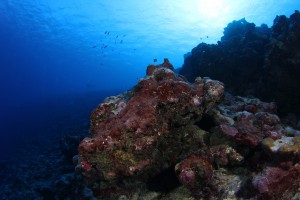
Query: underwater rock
281 69
277 183
236 59
246 121
142 132
260 146
196 173
165 64
284 151
225 155
165 132
250 60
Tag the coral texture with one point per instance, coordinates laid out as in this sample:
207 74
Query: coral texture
171 135
248 135
144 131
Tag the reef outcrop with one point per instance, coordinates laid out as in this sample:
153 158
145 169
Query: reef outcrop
138 134
167 138
258 61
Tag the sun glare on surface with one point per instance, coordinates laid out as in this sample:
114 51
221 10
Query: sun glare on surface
213 8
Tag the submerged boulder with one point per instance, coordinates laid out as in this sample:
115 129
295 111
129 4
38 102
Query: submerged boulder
140 133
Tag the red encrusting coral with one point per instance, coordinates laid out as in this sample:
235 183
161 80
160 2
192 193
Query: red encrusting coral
196 172
276 183
137 134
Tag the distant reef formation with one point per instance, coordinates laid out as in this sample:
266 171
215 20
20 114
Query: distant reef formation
254 61
171 139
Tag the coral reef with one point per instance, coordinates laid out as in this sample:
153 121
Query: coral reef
258 143
140 133
250 60
169 138
196 172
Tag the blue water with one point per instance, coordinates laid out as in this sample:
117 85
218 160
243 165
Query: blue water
59 58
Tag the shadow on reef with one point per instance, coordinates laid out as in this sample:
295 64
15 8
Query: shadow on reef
164 182
170 139
257 61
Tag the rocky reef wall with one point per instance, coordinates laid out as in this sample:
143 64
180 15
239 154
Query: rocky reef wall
254 61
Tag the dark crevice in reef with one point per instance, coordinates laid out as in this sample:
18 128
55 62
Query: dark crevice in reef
247 190
206 123
164 182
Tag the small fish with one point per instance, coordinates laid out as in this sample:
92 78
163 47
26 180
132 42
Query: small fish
206 36
94 46
105 46
117 36
155 60
121 41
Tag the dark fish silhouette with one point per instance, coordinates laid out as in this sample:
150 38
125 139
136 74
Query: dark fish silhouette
121 41
154 60
94 46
